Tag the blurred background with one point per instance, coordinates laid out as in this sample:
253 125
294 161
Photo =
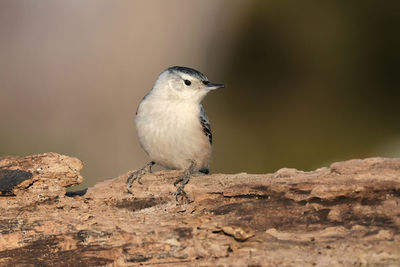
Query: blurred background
307 83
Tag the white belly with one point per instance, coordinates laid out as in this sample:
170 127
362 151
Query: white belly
172 135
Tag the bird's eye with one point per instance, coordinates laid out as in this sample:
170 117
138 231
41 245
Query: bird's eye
188 83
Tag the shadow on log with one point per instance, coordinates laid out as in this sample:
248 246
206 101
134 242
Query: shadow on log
348 214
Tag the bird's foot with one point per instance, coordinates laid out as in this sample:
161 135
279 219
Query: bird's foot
131 178
137 175
181 196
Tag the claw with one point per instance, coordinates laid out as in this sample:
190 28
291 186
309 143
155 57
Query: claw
181 193
131 178
137 175
184 179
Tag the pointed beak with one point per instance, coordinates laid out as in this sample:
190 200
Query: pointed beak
213 86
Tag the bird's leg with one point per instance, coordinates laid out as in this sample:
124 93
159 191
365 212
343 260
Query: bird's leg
184 179
179 179
137 175
149 170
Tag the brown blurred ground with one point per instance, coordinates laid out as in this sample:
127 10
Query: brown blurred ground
307 83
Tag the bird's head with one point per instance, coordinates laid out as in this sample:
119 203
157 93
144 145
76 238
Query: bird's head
183 83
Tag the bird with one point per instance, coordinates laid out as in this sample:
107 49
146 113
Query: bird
172 126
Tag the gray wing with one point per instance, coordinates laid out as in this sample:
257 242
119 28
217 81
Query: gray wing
205 124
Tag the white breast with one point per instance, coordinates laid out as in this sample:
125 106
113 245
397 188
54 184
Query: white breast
171 134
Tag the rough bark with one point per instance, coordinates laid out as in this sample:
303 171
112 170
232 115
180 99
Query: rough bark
347 214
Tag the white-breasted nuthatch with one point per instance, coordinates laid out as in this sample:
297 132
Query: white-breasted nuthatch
172 125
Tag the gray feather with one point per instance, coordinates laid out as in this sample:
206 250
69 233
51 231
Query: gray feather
189 71
205 124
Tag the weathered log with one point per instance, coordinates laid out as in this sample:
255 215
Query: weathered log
347 214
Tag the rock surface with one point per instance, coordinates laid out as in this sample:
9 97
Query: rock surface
348 214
